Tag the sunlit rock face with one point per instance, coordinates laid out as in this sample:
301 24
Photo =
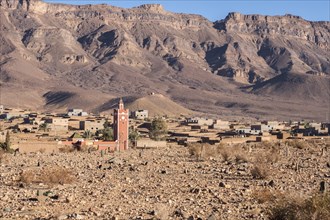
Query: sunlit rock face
123 52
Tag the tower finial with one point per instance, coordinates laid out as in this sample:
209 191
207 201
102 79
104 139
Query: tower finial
121 103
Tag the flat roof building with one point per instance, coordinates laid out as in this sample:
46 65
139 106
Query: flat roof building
57 124
76 112
91 125
140 114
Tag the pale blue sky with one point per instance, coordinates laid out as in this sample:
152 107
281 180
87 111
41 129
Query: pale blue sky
217 9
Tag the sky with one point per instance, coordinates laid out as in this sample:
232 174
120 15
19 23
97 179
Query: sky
213 10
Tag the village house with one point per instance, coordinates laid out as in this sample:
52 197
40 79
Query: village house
12 114
261 128
57 124
210 140
199 121
139 114
310 129
199 127
247 131
76 112
33 114
283 135
325 129
34 120
74 124
275 124
221 125
144 129
237 125
316 125
92 125
26 127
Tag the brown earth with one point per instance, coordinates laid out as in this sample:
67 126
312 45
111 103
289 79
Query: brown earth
164 183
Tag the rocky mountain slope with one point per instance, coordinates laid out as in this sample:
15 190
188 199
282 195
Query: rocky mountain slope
56 56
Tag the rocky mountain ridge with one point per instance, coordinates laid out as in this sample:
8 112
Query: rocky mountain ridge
242 60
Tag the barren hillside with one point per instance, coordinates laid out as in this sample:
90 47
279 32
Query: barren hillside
55 56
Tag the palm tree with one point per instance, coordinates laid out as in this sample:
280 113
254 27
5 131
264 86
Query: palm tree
87 134
133 135
44 127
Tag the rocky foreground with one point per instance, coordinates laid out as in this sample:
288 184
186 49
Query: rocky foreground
236 182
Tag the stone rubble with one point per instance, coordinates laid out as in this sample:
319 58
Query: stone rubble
159 184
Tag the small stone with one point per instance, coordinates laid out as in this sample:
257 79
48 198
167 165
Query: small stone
195 190
323 187
221 184
7 209
153 212
271 183
68 199
227 186
62 217
213 217
80 217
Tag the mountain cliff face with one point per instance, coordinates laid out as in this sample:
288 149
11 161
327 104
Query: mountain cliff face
241 65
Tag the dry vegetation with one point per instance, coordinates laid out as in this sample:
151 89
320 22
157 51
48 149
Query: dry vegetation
202 151
273 155
279 204
252 180
262 156
49 176
293 208
66 149
266 195
260 171
298 144
1 155
288 206
82 148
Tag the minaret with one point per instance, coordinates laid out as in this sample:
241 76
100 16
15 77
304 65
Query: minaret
120 126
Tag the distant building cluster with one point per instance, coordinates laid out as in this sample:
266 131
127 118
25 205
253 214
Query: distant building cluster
206 130
78 128
75 120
